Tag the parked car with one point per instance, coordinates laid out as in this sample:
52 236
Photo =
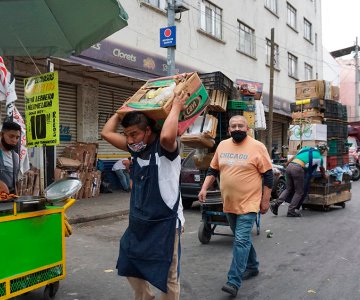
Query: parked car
279 181
192 179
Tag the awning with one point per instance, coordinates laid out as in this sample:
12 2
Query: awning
107 67
113 57
281 106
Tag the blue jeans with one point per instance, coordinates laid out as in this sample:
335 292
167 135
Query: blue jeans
124 178
244 255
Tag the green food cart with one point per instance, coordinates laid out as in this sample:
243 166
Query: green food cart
32 251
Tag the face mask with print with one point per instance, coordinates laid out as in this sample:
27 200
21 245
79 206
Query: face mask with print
6 145
238 135
137 147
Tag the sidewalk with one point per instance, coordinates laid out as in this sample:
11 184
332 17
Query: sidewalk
104 206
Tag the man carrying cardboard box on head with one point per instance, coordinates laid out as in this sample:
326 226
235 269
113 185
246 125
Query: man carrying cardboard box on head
150 248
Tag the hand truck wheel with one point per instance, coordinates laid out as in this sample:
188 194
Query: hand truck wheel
51 290
204 233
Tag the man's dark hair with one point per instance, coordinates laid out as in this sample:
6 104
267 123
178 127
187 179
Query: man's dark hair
139 119
9 125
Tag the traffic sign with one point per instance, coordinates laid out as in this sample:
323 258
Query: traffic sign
168 37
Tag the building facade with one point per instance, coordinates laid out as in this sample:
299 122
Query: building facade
228 36
347 86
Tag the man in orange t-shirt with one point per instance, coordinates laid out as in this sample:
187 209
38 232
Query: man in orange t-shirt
243 164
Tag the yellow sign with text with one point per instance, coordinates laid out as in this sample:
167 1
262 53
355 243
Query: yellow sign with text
42 110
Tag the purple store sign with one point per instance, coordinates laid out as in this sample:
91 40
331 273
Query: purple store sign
115 54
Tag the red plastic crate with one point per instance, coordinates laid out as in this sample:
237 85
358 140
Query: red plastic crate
331 162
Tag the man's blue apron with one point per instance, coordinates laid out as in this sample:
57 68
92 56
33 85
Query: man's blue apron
309 171
147 246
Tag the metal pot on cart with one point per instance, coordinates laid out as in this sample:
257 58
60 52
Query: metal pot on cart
32 234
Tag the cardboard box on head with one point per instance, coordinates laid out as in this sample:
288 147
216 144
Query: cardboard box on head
157 105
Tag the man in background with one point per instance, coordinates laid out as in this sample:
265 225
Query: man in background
299 171
122 171
9 159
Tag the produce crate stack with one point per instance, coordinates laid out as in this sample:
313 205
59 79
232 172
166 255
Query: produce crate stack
226 100
79 160
219 88
245 96
337 133
202 134
208 129
29 183
317 117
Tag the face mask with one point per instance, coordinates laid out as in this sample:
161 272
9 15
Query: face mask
137 147
238 135
7 146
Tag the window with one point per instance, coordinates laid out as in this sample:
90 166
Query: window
246 39
292 65
271 5
307 30
211 19
161 4
276 54
291 16
308 72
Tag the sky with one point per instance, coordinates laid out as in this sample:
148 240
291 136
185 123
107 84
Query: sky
340 23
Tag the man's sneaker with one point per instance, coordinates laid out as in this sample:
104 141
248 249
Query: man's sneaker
230 289
293 214
249 274
274 208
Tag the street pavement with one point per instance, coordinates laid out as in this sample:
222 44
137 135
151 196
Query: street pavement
313 257
105 206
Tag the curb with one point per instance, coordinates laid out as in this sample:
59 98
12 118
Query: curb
82 219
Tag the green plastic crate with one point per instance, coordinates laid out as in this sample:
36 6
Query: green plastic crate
241 105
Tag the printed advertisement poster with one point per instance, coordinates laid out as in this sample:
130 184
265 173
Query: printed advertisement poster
42 110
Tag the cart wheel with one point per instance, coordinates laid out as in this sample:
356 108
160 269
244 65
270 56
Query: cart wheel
51 290
204 233
326 208
343 205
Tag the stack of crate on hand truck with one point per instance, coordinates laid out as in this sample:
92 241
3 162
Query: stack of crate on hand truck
203 135
319 117
245 101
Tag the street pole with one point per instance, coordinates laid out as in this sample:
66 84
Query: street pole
171 50
271 91
356 81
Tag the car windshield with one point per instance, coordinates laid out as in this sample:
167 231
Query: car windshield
189 162
351 140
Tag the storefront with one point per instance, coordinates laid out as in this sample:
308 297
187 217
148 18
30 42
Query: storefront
67 107
281 122
110 99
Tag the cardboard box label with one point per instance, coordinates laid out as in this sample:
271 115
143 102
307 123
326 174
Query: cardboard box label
308 132
195 105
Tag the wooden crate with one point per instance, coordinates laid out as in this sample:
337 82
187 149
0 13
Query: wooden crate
311 120
330 199
218 100
307 113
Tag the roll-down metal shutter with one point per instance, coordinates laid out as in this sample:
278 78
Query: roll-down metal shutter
67 107
110 99
277 134
68 115
280 124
